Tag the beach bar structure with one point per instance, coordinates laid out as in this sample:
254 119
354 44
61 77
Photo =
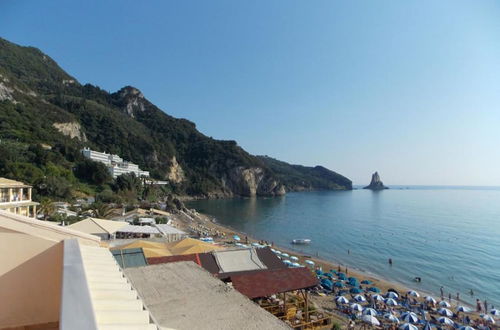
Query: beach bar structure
15 197
105 229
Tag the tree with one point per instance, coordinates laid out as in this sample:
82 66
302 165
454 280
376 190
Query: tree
101 210
46 208
92 172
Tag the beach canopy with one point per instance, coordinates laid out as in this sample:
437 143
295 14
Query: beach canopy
445 320
445 312
430 299
391 318
356 307
409 317
366 282
463 309
309 262
359 298
443 303
495 312
342 300
370 311
413 293
391 302
370 319
408 326
392 295
355 290
377 297
374 289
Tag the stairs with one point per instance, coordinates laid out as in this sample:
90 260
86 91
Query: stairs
116 304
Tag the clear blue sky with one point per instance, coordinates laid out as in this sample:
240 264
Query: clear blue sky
409 88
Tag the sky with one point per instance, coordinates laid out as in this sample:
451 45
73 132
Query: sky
410 89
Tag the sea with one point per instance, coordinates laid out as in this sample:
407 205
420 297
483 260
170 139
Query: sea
447 236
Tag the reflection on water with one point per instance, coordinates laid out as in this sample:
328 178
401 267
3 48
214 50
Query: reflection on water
447 237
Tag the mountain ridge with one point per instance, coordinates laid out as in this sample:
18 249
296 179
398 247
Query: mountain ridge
41 104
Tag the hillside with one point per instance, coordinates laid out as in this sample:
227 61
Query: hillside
47 116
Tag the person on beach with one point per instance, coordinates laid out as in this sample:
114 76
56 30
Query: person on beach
478 306
458 296
449 297
346 270
442 292
471 292
339 269
485 306
390 261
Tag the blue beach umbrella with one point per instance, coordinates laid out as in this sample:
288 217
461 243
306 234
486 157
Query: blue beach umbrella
319 272
342 300
391 318
342 276
329 275
430 299
443 303
377 297
236 238
355 290
366 282
445 312
463 309
427 326
445 320
370 319
352 279
392 295
466 327
359 298
356 307
413 293
370 311
487 318
339 284
391 302
374 289
495 312
327 284
409 317
408 326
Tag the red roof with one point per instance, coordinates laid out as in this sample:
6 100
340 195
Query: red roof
266 283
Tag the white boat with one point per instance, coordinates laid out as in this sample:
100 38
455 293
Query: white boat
301 241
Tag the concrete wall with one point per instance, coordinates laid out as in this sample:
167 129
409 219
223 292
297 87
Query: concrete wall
30 279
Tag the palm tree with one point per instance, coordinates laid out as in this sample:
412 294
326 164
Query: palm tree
101 210
47 208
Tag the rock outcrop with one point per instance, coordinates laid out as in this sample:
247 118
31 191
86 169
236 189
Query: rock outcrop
376 183
73 130
176 173
250 182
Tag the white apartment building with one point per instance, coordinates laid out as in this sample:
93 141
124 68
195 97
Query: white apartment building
115 164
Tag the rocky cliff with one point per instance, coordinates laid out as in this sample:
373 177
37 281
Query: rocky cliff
376 183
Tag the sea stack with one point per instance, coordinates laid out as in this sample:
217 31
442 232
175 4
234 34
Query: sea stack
376 183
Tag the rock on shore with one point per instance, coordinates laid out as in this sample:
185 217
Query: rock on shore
376 183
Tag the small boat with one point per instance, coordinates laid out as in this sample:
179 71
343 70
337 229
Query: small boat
301 241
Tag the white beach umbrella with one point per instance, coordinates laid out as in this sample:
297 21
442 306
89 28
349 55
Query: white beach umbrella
286 255
466 327
391 318
370 319
356 307
288 262
377 297
430 299
413 293
463 309
391 302
495 312
392 295
309 262
296 264
342 300
445 312
427 326
445 320
294 258
488 318
359 298
370 311
408 326
443 303
409 317
273 250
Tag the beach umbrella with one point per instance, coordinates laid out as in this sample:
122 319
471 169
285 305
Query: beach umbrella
487 318
309 262
391 302
370 311
391 318
352 279
445 320
342 300
273 250
329 275
256 244
408 326
277 251
339 284
427 326
286 261
445 312
413 293
286 255
359 298
466 327
296 264
355 290
463 309
294 258
327 284
236 238
370 319
342 276
430 299
495 312
356 307
374 289
409 317
392 295
366 282
319 272
443 303
377 297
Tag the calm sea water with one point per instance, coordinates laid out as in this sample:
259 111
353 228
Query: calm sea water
448 236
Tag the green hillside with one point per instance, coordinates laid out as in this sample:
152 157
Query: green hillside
47 117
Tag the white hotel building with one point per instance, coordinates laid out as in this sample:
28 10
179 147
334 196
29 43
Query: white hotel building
115 164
